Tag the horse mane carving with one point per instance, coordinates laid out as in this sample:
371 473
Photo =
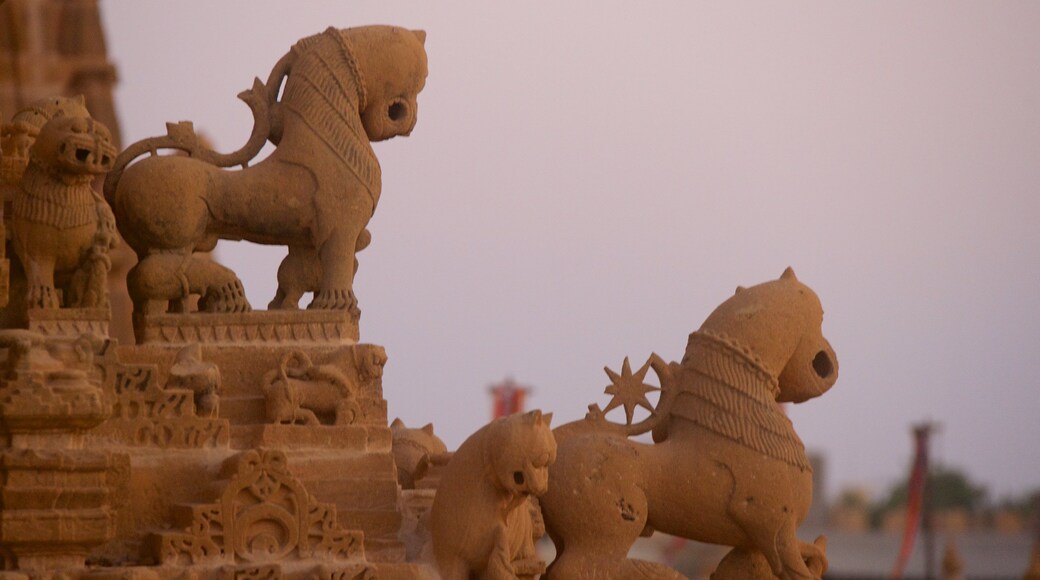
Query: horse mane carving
339 90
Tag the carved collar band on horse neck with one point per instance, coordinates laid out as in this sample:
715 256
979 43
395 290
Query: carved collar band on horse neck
734 396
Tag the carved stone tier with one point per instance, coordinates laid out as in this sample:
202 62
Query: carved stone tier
69 321
82 483
176 453
274 327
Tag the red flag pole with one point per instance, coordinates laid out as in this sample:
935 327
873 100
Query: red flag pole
917 504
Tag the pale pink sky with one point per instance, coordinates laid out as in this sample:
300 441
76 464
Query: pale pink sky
589 179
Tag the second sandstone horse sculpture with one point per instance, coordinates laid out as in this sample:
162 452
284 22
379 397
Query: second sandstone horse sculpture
323 103
727 466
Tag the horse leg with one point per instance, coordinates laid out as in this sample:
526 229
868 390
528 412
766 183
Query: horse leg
770 530
791 552
220 288
336 256
299 272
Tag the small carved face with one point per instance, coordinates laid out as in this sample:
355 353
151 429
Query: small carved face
393 82
76 144
521 449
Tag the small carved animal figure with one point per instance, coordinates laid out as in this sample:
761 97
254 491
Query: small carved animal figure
200 377
413 449
302 392
322 106
480 520
62 229
727 466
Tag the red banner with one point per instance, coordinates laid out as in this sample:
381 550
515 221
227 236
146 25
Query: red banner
507 399
915 490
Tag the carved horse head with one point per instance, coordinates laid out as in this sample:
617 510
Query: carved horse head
780 323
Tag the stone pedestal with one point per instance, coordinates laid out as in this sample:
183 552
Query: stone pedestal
273 327
57 497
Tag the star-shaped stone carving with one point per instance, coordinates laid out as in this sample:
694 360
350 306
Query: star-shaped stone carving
629 390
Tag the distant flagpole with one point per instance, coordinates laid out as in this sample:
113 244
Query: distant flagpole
916 500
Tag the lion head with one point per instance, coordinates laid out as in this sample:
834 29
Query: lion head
518 453
75 145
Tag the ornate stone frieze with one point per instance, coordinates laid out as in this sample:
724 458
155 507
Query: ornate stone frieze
263 515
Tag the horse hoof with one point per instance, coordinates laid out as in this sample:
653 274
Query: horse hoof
334 300
229 298
44 297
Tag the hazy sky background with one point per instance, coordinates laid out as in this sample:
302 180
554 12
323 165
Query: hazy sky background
588 180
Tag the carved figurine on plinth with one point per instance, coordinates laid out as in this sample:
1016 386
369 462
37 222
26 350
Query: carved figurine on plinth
481 521
315 193
61 228
727 466
302 392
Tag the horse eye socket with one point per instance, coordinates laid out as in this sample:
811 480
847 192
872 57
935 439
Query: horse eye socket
822 365
397 111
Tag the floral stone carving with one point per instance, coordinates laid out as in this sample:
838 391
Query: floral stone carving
263 515
727 466
315 193
61 228
481 521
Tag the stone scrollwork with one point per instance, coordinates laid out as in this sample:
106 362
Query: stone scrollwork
263 515
144 413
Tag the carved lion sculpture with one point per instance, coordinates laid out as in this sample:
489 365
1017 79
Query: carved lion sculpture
727 466
413 450
299 391
315 193
61 228
481 521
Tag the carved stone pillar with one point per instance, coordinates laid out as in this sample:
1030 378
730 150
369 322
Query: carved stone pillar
56 495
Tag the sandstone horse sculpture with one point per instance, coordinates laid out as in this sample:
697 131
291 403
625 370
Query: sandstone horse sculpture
727 466
322 104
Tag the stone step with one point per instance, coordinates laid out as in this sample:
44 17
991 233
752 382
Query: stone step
356 494
384 551
352 438
377 524
345 464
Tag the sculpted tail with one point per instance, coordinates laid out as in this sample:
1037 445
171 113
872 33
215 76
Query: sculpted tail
182 137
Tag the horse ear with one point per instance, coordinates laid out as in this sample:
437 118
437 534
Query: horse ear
534 417
80 100
421 35
428 428
397 423
740 289
547 419
788 274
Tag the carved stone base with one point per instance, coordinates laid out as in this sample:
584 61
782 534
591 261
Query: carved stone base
273 327
69 322
40 537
